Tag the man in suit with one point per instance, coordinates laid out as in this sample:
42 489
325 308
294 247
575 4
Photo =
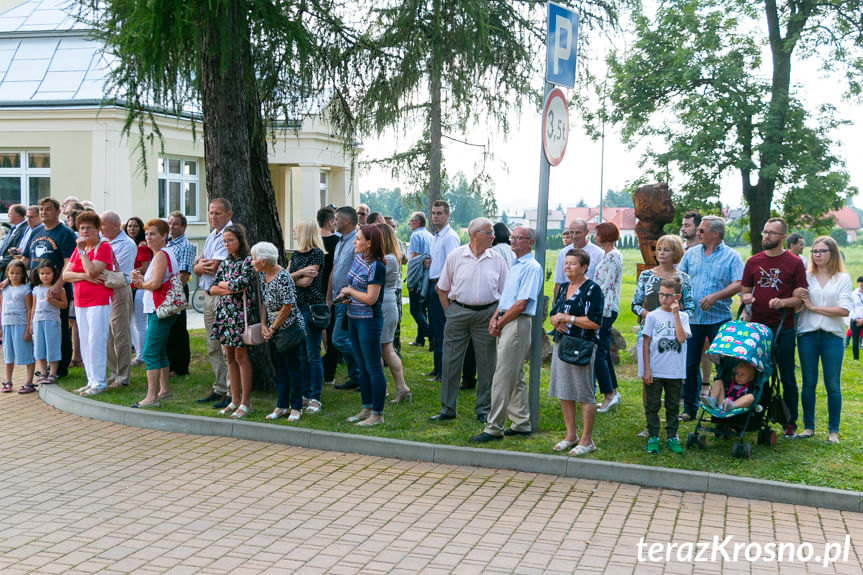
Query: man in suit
8 249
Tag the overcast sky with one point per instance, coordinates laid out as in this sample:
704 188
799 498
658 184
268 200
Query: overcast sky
515 167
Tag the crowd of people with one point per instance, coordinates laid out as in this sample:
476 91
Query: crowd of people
89 291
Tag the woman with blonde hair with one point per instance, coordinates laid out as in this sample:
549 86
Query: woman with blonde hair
821 331
391 312
305 270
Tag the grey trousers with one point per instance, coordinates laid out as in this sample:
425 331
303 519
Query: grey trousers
214 348
508 390
462 326
119 358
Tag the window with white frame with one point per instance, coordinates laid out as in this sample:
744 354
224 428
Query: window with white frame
178 187
325 188
25 177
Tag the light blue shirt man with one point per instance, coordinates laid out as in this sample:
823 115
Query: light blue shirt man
522 283
445 241
421 240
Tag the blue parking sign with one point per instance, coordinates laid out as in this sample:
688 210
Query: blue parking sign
561 45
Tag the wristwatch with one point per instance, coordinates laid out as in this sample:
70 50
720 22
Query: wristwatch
82 251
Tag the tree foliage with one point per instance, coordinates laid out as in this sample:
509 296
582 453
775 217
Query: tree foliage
621 199
454 64
692 84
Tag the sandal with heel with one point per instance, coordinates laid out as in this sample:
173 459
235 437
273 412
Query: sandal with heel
228 409
241 412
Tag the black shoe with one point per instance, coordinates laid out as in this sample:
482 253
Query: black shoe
435 378
211 398
510 431
486 437
482 417
441 417
347 385
431 344
432 373
226 401
417 344
465 386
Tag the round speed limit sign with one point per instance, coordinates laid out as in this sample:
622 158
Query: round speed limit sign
555 127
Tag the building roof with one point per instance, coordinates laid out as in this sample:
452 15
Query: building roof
46 56
846 218
624 218
553 215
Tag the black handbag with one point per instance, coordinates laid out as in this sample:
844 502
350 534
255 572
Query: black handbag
574 350
319 315
288 338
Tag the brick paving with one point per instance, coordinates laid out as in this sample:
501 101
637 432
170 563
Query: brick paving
83 496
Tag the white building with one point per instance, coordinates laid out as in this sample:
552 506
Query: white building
57 139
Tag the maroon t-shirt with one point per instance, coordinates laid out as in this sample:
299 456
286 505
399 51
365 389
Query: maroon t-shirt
771 277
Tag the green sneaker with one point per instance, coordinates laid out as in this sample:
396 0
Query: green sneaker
673 445
653 445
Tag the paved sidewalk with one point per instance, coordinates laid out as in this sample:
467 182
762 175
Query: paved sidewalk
82 496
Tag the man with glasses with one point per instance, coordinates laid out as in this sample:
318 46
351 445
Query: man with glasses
769 279
362 215
715 271
511 326
469 287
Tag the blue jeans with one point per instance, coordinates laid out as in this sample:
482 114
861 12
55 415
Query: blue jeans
366 340
289 377
694 349
419 311
310 362
827 346
342 342
784 357
603 365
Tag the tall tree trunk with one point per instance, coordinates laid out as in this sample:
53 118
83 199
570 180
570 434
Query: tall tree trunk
235 148
435 120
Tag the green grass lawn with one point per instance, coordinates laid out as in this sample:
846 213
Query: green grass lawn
812 461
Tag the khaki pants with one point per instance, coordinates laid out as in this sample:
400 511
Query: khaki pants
508 388
214 348
120 336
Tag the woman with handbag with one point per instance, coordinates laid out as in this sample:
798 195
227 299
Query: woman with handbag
305 270
234 275
365 294
576 316
391 311
92 299
155 284
281 323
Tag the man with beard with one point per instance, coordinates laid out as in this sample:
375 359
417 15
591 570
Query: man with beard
689 228
769 278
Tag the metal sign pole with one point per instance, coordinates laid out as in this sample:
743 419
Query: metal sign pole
539 252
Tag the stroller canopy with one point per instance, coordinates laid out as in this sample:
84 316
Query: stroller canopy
747 341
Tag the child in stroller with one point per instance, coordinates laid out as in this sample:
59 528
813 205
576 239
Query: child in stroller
737 395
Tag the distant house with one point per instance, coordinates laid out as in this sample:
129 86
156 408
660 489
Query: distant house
624 218
512 218
849 220
554 222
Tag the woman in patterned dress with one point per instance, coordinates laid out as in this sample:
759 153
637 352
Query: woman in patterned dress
232 278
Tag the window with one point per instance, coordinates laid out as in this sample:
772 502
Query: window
325 188
178 187
25 177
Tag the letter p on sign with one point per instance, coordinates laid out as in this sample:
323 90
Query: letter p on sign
561 44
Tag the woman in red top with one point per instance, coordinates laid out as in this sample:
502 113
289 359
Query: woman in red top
92 298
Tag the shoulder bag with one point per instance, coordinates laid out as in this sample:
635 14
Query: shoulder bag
289 337
114 279
173 298
574 350
319 315
252 334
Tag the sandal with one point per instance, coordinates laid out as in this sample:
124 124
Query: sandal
228 409
564 445
277 413
241 412
294 416
50 379
26 388
7 387
314 406
806 433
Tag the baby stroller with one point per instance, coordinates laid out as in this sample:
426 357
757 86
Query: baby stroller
751 342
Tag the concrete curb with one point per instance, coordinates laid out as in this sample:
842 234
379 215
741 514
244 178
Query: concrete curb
677 479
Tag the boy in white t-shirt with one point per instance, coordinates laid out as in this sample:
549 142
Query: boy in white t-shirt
665 331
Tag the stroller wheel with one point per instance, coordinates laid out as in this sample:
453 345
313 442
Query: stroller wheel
702 442
691 440
747 450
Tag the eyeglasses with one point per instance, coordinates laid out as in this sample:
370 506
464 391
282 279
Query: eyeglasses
518 238
819 252
486 232
769 233
227 241
667 294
